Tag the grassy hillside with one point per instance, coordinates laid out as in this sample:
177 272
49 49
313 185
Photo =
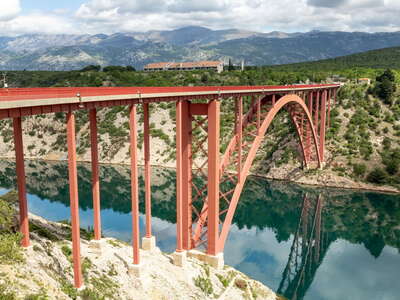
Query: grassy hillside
376 59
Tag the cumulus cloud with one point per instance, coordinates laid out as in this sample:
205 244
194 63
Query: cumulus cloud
37 23
109 16
9 9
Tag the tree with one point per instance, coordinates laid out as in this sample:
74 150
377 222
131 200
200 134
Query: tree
94 68
385 86
230 65
130 69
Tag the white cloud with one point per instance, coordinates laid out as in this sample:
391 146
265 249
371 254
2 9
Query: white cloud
9 9
109 16
37 23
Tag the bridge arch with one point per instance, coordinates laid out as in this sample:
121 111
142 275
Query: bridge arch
290 101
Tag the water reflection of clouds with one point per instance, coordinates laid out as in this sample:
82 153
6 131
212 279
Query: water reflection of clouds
349 271
258 254
114 224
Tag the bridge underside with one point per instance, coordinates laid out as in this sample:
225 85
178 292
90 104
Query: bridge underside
209 182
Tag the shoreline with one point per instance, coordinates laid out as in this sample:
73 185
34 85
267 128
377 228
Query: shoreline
387 190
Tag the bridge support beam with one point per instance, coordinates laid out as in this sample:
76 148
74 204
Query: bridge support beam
134 187
148 241
308 143
74 201
95 174
179 256
21 181
186 175
322 127
239 132
213 248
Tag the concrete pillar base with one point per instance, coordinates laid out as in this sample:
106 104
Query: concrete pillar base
134 270
179 258
323 164
199 255
82 288
96 246
216 261
149 244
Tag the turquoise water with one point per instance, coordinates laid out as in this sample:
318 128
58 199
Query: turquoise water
305 243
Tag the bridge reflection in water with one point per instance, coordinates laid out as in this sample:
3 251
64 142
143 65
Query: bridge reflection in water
308 250
305 223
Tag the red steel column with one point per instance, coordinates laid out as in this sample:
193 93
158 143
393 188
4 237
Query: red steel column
239 132
147 168
186 176
23 203
317 112
308 141
95 174
213 177
134 184
179 176
73 194
328 122
322 127
258 114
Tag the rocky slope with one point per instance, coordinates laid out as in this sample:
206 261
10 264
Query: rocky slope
66 52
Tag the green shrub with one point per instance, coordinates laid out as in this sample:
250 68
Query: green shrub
359 170
10 248
377 176
205 284
6 293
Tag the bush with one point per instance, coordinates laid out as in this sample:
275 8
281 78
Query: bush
10 248
377 176
359 170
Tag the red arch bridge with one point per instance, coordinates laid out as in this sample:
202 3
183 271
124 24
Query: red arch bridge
205 209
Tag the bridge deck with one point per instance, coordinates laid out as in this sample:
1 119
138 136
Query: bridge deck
30 97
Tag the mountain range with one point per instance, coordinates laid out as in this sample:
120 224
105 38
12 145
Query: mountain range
66 52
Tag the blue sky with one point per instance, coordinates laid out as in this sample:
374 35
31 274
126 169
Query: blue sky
110 16
29 6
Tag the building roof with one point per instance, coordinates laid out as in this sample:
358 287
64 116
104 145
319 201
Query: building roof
174 65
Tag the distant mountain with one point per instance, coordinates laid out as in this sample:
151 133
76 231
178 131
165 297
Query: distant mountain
387 58
65 52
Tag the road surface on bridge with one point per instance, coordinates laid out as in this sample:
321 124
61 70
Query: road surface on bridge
30 97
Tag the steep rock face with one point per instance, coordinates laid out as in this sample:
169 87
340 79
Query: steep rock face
66 52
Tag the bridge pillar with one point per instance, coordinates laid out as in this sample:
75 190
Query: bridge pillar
134 188
322 126
186 176
214 256
21 181
308 128
179 256
74 201
213 177
148 241
95 174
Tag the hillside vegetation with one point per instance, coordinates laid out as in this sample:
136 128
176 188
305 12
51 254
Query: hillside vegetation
363 140
386 58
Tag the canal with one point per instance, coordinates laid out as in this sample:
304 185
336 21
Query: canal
305 243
